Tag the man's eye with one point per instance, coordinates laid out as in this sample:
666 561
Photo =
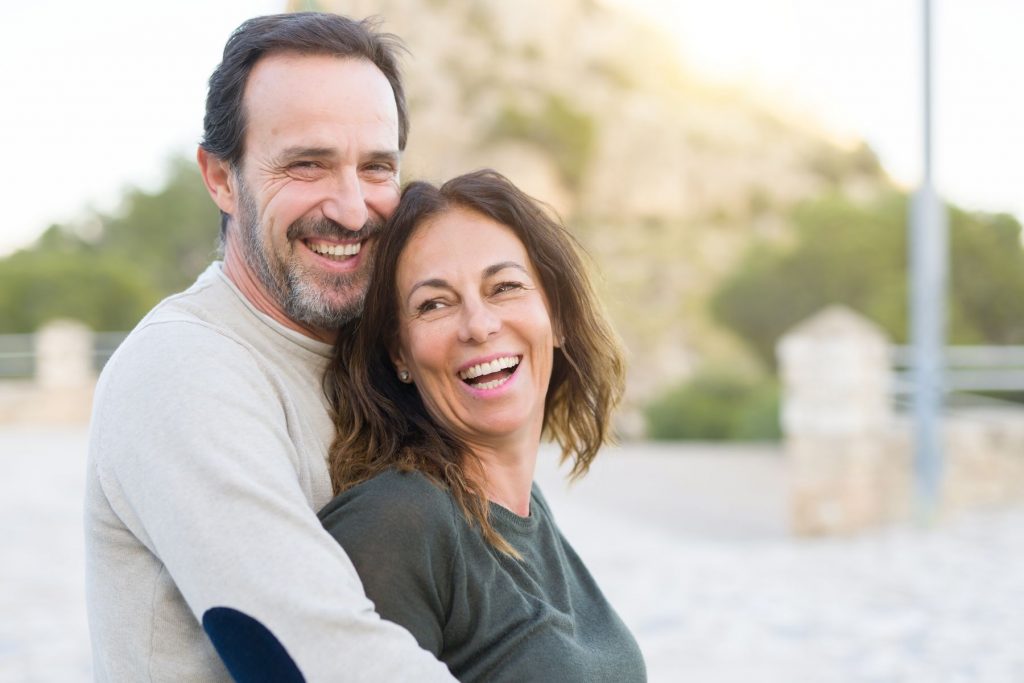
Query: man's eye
379 169
304 168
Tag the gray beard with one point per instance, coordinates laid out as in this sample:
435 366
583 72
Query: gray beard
304 295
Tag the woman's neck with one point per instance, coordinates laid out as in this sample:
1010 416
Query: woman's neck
506 474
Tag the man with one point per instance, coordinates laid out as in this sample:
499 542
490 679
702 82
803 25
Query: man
205 559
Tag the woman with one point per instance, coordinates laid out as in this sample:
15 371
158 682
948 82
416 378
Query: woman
480 331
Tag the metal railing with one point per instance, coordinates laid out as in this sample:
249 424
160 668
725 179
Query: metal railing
17 356
967 369
18 353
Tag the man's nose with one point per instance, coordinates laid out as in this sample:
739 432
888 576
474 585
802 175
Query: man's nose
346 205
478 322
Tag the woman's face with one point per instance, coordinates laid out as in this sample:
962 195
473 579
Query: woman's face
475 332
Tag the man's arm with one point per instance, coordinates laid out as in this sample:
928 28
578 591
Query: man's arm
193 453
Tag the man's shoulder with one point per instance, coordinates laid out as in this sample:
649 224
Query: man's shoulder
186 347
209 304
194 326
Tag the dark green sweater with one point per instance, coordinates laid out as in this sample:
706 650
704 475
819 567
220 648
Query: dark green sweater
484 614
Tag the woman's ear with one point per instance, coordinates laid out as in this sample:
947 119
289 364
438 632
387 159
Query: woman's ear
401 367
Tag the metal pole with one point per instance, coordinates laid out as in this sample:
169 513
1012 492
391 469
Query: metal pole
928 265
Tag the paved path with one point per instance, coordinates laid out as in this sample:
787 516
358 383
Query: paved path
688 543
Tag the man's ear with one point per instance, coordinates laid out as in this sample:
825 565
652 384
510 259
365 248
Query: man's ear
219 181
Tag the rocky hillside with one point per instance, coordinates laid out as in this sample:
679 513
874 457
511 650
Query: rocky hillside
664 178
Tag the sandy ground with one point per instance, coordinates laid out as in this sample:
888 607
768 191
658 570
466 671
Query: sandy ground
690 545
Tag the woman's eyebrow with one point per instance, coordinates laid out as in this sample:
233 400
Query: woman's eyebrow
430 282
498 267
441 283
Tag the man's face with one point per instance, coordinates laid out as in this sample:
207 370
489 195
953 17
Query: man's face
318 177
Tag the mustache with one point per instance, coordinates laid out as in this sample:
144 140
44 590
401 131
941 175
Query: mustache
328 229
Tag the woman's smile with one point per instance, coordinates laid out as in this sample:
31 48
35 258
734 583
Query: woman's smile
475 333
491 374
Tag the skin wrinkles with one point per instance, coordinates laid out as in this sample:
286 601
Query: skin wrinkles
490 271
321 162
469 293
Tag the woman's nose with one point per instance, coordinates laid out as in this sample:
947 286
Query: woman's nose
479 322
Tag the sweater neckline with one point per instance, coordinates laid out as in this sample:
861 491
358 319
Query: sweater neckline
315 346
503 518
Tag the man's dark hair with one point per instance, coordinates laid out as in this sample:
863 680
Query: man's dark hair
306 33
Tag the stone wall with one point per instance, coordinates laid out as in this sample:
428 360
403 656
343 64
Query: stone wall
62 388
850 454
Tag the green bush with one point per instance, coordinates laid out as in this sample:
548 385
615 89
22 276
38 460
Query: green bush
716 405
563 131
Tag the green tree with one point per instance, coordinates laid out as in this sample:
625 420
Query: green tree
566 133
856 254
104 292
108 270
170 233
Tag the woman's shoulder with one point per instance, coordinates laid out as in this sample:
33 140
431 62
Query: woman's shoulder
397 503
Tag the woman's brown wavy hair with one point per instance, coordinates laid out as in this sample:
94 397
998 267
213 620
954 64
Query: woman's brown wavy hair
382 423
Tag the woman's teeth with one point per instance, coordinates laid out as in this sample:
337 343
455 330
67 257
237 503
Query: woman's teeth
493 366
485 371
493 384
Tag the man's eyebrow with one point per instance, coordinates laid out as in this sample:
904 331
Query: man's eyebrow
391 155
312 152
305 152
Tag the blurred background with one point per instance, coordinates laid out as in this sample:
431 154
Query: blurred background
739 172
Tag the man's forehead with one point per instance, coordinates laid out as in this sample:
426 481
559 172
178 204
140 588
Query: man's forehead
306 100
283 77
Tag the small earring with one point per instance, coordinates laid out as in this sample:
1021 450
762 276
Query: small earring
404 376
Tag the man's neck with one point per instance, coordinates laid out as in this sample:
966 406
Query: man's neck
252 289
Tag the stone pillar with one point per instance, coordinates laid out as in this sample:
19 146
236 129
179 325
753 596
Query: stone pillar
836 416
64 356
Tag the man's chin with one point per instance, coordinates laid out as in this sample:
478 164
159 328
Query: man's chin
326 309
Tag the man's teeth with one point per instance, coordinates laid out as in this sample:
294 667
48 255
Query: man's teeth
325 249
495 365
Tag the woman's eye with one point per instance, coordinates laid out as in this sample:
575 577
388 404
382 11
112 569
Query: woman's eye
429 305
507 287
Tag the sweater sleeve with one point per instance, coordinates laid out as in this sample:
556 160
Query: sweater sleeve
399 529
193 453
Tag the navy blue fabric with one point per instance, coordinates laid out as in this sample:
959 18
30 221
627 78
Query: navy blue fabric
250 651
